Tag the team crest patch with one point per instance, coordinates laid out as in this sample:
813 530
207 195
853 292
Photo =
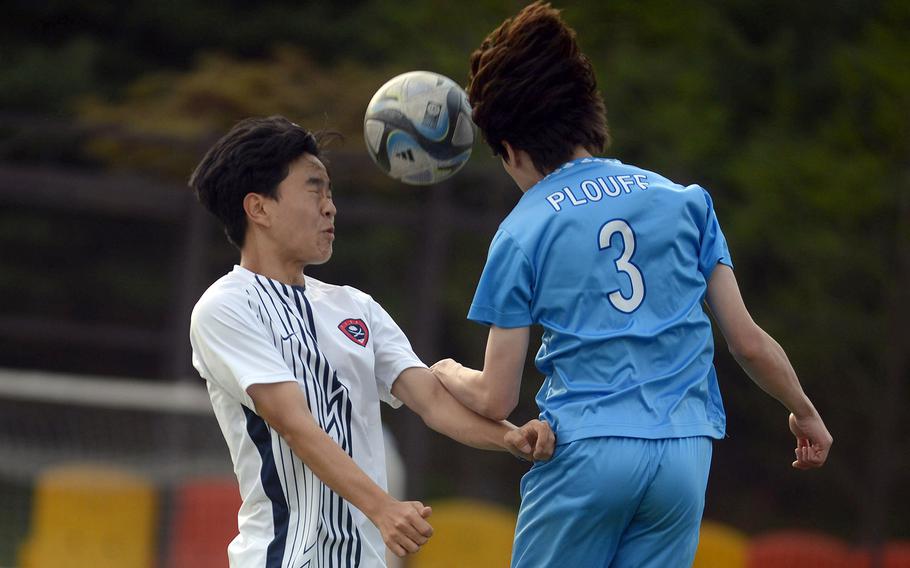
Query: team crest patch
355 330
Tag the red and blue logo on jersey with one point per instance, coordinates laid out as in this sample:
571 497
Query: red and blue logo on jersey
355 330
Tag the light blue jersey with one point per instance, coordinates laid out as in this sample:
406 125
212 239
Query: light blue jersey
612 260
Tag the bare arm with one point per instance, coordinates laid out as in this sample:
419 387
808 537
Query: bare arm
422 392
767 365
494 391
284 407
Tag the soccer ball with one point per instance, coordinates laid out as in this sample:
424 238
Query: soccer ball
418 128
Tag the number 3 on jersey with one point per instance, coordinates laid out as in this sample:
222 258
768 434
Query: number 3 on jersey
624 264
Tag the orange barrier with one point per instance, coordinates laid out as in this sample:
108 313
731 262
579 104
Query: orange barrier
467 533
720 546
204 521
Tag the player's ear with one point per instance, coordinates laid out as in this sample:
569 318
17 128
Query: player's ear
511 156
256 208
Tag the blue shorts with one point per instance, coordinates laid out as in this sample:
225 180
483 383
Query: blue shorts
614 502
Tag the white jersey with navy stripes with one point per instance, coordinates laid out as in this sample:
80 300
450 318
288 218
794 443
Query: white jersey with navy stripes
344 351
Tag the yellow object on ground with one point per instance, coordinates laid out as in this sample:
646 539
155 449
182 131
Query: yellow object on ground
86 516
467 534
720 546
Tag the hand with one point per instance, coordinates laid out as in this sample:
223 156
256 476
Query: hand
403 526
532 442
812 441
446 370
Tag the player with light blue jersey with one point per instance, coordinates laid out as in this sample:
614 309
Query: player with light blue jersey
612 261
616 264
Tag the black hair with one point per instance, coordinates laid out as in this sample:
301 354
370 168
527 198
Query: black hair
253 157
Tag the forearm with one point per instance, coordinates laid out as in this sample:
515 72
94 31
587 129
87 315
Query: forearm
423 393
329 462
494 391
451 418
283 406
768 366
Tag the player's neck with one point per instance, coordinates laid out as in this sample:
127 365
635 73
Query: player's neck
526 175
580 152
272 266
577 154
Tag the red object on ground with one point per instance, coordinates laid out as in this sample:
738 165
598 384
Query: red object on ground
895 554
204 521
800 549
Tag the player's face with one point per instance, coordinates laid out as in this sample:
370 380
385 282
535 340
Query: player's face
304 216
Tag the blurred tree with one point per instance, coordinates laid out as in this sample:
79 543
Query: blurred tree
46 43
38 78
140 130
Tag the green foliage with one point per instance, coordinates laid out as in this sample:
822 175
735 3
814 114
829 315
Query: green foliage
47 78
161 109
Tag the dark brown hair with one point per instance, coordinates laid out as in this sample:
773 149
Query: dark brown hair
531 86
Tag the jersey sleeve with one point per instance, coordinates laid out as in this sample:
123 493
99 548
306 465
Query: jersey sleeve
713 244
392 351
503 296
232 348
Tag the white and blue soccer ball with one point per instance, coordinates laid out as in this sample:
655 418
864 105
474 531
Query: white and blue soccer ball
418 128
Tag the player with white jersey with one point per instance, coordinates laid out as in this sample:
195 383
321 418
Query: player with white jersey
296 368
614 262
284 328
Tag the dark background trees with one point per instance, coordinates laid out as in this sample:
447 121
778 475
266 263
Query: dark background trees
794 116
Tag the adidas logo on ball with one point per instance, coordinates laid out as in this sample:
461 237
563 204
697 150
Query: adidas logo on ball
418 128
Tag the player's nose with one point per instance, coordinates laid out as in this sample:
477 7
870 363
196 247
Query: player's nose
329 209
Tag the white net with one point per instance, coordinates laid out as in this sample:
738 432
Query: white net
120 461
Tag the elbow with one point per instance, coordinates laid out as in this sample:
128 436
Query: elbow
743 351
286 429
499 414
498 408
749 347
